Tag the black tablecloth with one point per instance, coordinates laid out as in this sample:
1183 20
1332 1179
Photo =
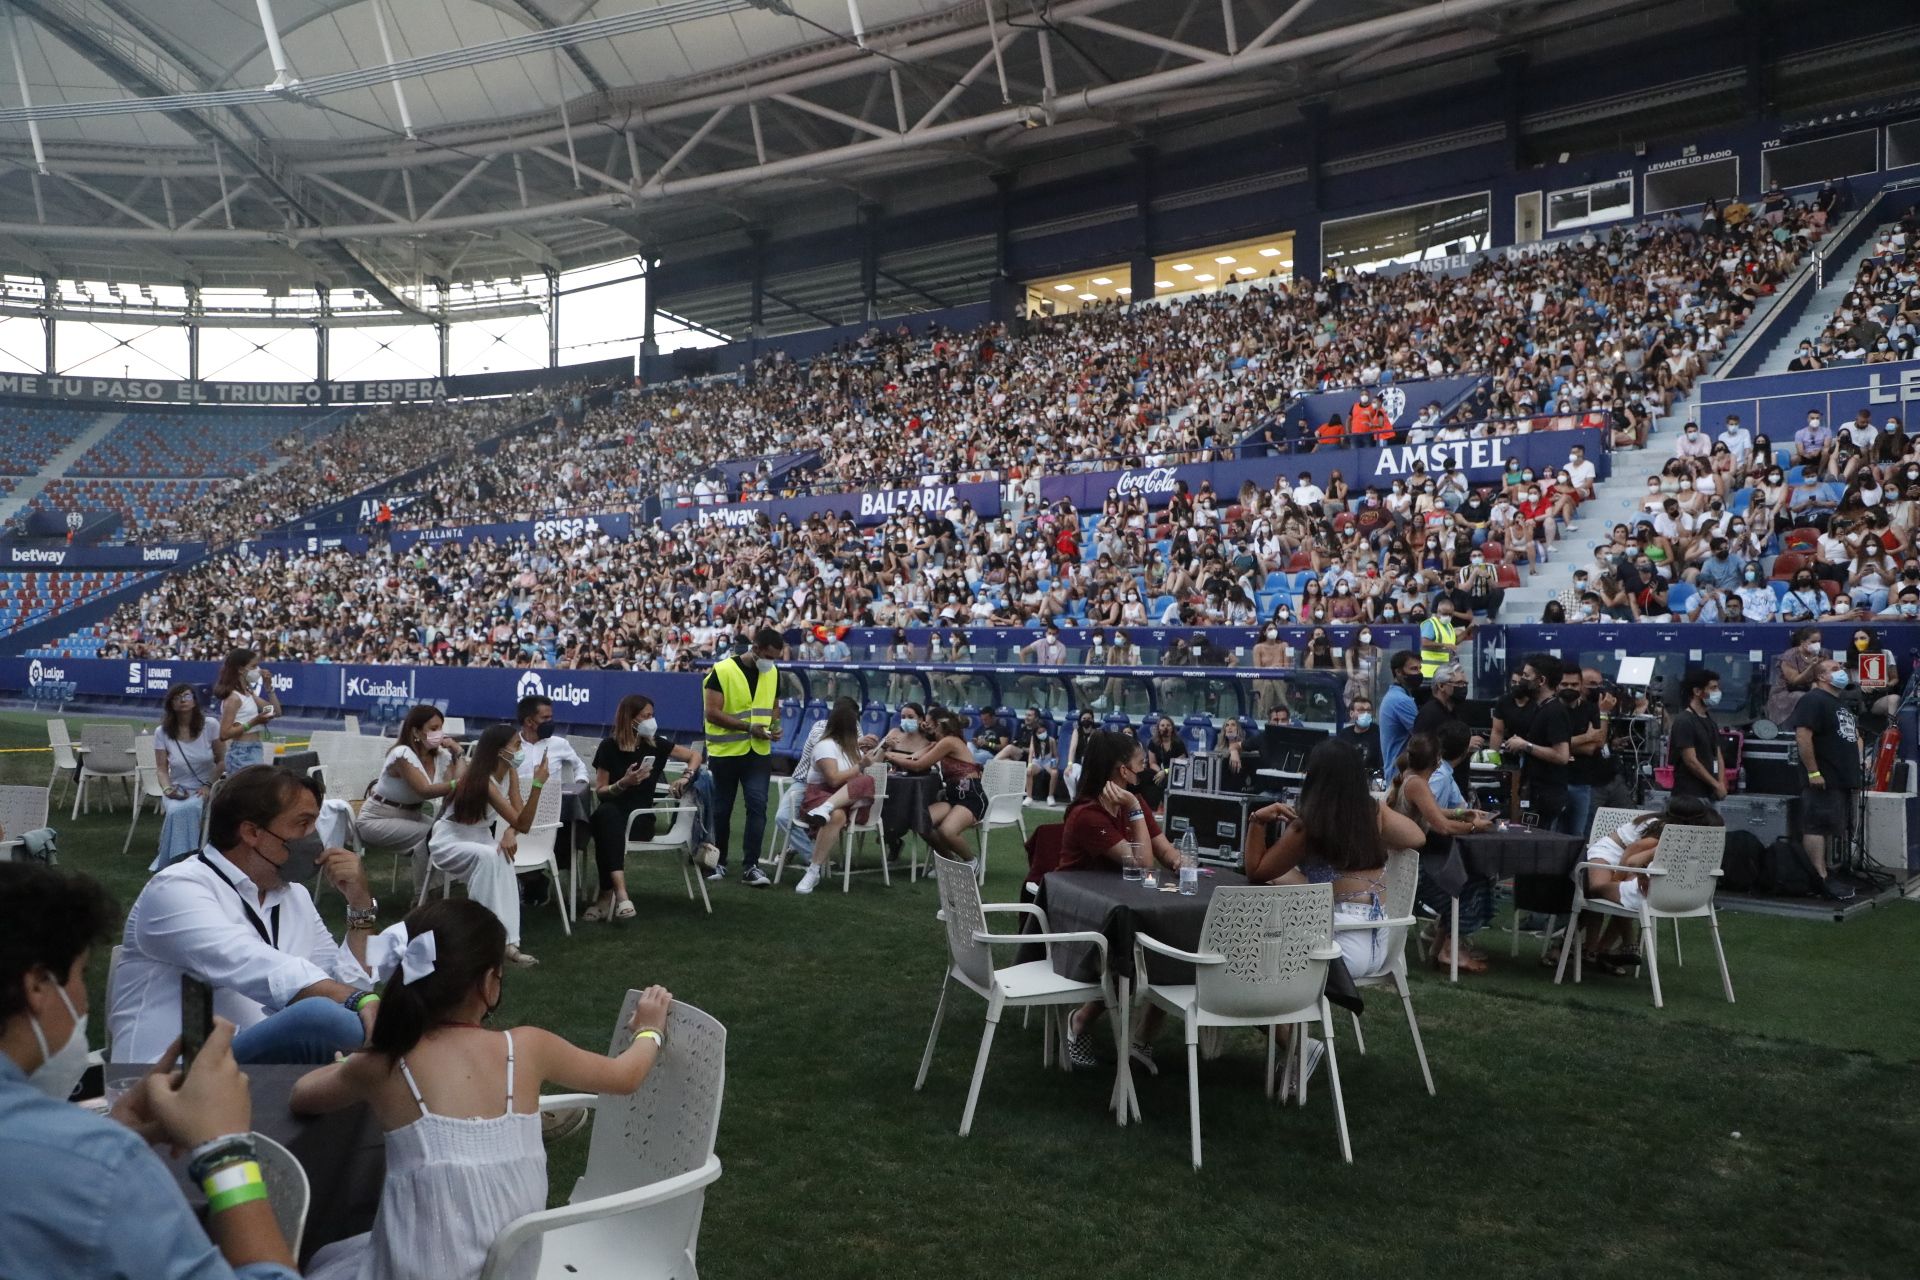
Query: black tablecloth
1540 864
344 1154
905 812
1107 903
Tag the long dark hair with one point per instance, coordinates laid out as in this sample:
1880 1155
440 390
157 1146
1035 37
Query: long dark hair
1681 811
232 672
413 730
173 724
1107 750
626 718
1337 810
469 943
470 794
843 726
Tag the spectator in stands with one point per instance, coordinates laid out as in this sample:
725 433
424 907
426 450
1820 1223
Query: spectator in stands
189 757
1692 442
452 1188
247 702
463 845
1812 443
1795 672
1164 746
239 918
423 765
628 767
81 1194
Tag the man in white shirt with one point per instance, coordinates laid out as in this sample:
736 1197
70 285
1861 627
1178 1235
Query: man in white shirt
1693 443
1048 651
1580 471
1308 495
238 917
538 741
1739 441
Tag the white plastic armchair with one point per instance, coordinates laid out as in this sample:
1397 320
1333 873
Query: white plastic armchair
288 1189
108 751
635 1213
1262 962
677 836
1005 784
146 784
1681 881
65 760
1032 984
534 851
854 832
22 809
1403 877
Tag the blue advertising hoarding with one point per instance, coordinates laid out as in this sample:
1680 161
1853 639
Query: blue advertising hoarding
1776 405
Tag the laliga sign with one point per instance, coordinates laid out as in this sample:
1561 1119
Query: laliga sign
531 684
41 674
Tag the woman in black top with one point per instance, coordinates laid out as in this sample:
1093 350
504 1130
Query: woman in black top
627 769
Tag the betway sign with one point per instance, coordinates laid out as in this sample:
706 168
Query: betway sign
30 555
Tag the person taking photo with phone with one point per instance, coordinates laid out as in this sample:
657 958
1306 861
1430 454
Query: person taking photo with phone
238 916
81 1194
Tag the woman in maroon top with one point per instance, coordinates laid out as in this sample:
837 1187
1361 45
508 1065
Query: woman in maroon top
1105 819
962 802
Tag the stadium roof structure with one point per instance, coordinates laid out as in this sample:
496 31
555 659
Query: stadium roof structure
382 144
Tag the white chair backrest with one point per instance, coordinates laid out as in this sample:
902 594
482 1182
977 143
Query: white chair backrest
1403 880
585 748
62 744
22 809
287 1189
1609 820
679 832
106 1017
143 753
109 747
878 772
1689 856
1265 932
455 725
538 839
1005 782
960 904
58 733
668 1125
350 723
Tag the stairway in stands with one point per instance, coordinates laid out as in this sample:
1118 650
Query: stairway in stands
1839 278
23 495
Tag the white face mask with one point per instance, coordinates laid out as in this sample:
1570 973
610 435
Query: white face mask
253 679
647 728
60 1071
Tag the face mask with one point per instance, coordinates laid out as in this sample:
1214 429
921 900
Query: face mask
303 857
1570 696
253 679
1908 609
1751 575
517 759
1811 646
1521 688
1840 679
1713 698
648 727
544 732
1860 643
60 1072
1366 637
1479 560
1364 719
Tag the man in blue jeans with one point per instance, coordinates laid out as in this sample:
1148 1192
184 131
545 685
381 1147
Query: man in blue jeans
1589 767
238 917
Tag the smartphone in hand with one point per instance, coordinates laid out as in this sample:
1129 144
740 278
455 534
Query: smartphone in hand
196 1017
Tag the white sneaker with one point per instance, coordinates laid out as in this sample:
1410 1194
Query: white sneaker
809 880
821 811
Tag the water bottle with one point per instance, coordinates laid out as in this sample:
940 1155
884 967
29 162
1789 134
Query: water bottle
1189 866
1132 869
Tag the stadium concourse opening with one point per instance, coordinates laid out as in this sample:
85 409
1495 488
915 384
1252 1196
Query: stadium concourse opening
584 552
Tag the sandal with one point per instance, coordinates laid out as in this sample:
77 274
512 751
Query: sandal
597 911
624 911
1603 964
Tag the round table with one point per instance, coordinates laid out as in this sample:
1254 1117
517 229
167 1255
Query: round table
909 795
1540 863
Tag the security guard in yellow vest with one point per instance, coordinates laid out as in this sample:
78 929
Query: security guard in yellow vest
741 721
1439 640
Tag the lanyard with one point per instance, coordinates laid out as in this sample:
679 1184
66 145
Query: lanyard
253 916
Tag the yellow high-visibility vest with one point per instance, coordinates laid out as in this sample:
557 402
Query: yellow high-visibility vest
753 705
1431 660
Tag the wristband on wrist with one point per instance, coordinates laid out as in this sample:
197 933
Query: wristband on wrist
650 1033
213 1153
1813 773
233 1185
361 999
536 784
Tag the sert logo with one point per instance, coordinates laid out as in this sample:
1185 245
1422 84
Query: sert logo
1394 401
162 555
566 530
134 677
1146 483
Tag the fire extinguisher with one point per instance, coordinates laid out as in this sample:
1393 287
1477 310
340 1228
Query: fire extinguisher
1883 759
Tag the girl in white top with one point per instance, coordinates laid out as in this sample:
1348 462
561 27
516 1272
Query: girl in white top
188 759
1631 846
837 786
459 1101
423 765
463 844
247 702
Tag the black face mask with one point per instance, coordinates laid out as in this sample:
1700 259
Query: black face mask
1522 689
1571 696
1410 680
545 731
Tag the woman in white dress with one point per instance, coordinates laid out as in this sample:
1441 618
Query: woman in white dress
188 758
423 765
460 1102
463 844
247 702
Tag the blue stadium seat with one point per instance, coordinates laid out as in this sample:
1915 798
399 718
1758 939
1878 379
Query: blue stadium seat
1679 596
1200 733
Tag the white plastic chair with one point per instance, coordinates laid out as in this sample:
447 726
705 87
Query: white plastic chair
1020 986
65 761
1682 878
108 749
1262 962
534 849
350 723
146 784
1403 878
1005 783
22 809
853 831
636 1210
678 836
288 1190
455 725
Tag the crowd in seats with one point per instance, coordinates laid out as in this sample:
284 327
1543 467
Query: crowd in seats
30 596
1878 321
1616 326
31 436
188 444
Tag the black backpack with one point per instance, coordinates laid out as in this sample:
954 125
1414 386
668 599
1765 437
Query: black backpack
1740 867
1787 872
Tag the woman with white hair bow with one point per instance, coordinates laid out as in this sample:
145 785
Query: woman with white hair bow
460 1107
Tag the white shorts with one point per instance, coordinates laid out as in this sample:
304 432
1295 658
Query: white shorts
1632 896
1364 950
